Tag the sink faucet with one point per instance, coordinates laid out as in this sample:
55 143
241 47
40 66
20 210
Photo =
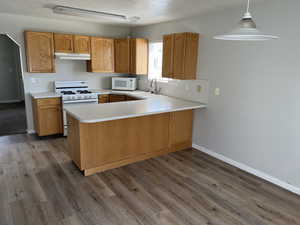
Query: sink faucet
154 88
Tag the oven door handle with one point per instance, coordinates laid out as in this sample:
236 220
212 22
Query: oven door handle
81 101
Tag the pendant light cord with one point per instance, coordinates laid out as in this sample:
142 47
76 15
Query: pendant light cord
248 6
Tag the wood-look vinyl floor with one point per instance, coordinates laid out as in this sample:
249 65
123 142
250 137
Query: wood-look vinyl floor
39 185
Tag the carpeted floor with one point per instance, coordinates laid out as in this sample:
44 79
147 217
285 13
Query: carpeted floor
12 118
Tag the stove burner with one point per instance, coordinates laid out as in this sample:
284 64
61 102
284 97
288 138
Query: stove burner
84 92
68 93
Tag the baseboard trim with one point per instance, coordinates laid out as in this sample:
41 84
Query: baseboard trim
31 132
248 169
11 101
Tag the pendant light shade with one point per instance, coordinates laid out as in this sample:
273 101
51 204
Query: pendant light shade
246 31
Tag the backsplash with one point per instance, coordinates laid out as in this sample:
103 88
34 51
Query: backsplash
69 70
184 89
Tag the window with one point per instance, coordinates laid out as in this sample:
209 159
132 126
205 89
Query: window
155 60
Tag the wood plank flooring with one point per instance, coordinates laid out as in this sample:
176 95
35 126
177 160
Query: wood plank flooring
39 185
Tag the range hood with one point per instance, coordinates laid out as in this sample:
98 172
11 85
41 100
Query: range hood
72 56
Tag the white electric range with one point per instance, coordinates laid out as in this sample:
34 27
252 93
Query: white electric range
74 92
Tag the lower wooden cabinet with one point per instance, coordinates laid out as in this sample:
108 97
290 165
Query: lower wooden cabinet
131 98
96 147
117 98
47 116
106 98
103 99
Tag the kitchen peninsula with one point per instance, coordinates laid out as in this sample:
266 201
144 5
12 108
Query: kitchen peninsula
106 136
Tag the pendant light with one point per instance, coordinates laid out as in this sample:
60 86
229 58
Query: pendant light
246 31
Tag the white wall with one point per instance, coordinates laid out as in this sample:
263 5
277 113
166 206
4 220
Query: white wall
256 119
10 74
14 25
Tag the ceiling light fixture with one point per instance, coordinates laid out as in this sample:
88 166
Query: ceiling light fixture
246 31
84 12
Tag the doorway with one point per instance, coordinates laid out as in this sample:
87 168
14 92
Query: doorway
12 105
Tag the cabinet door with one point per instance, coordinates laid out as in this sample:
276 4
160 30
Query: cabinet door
168 48
102 55
103 99
131 98
50 120
82 44
63 43
122 55
39 52
191 56
181 130
119 140
117 98
139 56
179 56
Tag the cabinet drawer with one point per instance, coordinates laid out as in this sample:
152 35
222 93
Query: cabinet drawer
48 101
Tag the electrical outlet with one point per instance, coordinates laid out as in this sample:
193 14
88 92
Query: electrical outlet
199 88
217 92
33 80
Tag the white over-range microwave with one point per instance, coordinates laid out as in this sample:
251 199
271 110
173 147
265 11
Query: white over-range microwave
124 83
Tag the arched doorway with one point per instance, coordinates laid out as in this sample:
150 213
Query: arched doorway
12 103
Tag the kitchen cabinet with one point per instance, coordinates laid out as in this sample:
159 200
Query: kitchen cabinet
117 98
82 44
64 43
131 98
93 146
139 56
102 55
180 56
131 56
69 43
39 52
122 55
106 98
181 129
47 115
168 48
103 99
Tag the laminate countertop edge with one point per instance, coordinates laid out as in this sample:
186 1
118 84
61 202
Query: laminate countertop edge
201 106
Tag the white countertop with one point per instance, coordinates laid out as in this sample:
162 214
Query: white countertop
97 91
149 105
45 95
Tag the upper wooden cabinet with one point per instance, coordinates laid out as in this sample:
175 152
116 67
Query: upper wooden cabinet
39 52
82 44
102 55
131 56
68 43
64 43
122 55
139 56
168 48
180 56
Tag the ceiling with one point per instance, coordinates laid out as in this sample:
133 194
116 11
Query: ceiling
150 11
